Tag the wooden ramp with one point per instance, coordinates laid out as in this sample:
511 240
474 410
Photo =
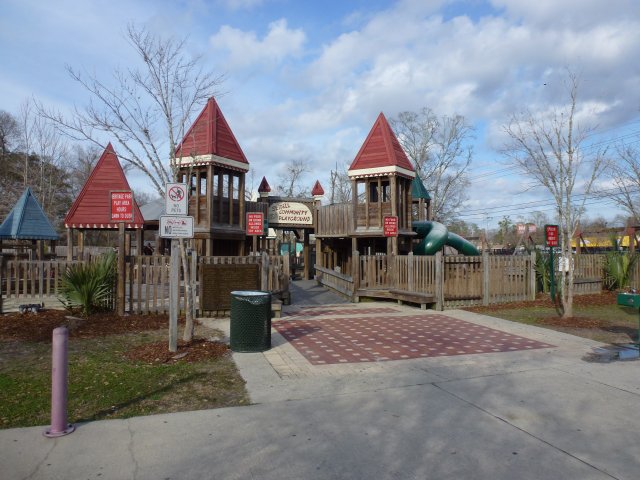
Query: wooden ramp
422 299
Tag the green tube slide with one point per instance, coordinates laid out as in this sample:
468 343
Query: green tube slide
435 235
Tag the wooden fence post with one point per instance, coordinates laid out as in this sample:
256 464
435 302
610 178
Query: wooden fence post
410 278
264 277
532 275
486 278
122 276
439 281
355 275
2 267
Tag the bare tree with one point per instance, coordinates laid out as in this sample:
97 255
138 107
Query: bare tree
146 110
550 150
289 180
339 185
439 148
625 176
85 158
9 132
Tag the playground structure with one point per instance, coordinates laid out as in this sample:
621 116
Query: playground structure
388 218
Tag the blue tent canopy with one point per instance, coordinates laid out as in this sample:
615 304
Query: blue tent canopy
27 221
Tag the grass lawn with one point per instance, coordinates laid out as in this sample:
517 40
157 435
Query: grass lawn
594 316
112 373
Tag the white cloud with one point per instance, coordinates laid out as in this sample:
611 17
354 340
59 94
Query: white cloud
246 49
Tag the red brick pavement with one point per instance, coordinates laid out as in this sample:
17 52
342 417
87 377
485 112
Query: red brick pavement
378 338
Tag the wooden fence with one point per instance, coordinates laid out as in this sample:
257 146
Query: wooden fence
449 281
147 280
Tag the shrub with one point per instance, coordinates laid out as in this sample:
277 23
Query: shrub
90 286
618 267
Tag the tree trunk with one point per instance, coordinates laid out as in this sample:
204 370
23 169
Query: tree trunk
189 326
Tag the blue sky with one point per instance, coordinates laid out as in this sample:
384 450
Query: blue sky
306 79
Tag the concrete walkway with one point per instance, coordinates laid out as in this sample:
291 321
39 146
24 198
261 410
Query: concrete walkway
528 415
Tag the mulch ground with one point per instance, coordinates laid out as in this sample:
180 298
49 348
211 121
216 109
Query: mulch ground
196 351
544 300
38 327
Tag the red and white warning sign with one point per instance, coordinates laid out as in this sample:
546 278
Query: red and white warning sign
176 199
390 226
122 206
255 223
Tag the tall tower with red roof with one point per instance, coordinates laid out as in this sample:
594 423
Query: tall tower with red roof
212 162
381 176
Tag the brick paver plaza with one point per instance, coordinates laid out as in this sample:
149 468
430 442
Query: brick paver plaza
384 333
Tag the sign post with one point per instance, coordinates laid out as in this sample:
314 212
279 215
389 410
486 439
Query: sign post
176 224
121 212
551 236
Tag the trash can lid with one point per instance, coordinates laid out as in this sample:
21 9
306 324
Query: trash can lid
249 293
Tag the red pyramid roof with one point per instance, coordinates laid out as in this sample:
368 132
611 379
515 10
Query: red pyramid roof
92 208
264 186
381 153
210 135
317 189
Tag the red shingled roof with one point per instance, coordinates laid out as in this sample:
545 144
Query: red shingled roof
317 189
92 208
381 153
264 186
210 135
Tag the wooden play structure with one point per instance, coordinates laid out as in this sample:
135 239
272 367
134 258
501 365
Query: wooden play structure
92 209
26 229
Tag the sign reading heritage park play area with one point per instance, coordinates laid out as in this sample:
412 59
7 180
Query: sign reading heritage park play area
390 226
255 223
122 206
289 213
551 234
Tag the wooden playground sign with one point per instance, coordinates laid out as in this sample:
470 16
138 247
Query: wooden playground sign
255 223
122 206
390 226
551 234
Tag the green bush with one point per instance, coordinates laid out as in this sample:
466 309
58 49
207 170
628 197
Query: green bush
543 278
90 286
618 267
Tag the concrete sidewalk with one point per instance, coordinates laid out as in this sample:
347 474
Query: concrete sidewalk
526 415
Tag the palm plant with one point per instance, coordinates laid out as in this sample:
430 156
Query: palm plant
542 268
618 267
89 286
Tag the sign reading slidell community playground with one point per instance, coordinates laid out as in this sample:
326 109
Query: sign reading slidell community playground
289 213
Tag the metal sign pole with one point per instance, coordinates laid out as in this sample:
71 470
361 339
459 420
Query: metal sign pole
174 287
553 275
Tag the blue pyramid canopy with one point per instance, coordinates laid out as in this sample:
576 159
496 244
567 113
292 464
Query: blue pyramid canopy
27 221
418 189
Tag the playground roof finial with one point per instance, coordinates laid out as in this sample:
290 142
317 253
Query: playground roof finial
317 191
264 186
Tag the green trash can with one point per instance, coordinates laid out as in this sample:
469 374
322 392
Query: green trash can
250 321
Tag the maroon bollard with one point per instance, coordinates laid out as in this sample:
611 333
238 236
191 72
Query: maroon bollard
59 425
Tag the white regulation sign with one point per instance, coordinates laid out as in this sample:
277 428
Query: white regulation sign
173 226
176 199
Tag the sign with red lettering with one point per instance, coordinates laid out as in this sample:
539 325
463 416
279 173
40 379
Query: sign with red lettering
255 223
551 234
122 206
391 226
